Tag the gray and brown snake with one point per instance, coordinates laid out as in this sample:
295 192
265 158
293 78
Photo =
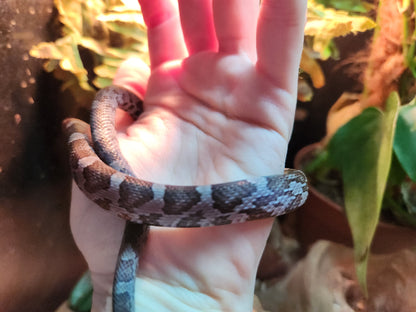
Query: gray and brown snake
101 172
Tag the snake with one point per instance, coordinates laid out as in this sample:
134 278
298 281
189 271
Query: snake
105 177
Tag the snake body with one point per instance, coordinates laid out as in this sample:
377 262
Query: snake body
102 173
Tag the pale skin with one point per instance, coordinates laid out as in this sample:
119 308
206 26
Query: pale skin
219 106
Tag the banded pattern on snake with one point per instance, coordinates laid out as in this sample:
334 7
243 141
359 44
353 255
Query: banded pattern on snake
101 172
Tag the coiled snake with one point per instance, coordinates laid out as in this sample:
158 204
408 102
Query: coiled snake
102 173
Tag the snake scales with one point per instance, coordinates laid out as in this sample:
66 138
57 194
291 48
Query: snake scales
102 173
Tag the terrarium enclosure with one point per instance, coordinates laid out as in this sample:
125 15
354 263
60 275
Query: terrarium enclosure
356 109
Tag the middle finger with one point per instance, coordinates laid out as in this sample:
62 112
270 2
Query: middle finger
198 25
235 25
165 38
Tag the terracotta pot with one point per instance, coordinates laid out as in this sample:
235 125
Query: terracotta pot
321 218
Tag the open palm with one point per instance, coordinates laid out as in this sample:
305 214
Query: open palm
219 106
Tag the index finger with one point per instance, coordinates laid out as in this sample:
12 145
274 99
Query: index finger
280 39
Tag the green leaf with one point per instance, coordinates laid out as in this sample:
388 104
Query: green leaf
396 175
310 65
405 138
121 53
101 82
105 71
46 50
132 30
408 190
78 16
51 65
347 5
305 92
362 150
332 23
112 61
402 205
80 299
324 24
111 30
93 45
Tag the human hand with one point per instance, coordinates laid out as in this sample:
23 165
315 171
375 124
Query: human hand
218 106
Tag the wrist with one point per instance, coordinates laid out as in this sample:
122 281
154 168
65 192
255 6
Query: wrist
203 269
154 295
207 269
102 291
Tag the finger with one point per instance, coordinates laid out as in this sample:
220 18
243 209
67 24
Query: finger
165 38
235 25
280 39
198 25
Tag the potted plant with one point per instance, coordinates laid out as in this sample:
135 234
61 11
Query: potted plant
367 158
